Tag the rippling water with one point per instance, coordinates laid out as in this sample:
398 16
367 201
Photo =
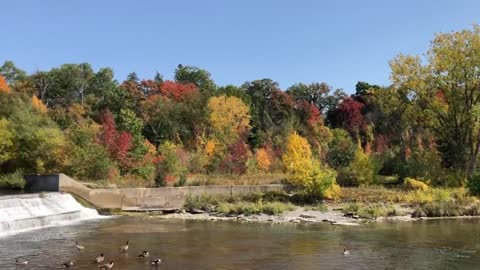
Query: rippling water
447 244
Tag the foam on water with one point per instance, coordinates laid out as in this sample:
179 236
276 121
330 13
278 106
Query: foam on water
21 213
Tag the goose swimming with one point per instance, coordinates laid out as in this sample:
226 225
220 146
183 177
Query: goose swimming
68 264
78 246
144 254
100 258
156 262
125 247
23 262
107 266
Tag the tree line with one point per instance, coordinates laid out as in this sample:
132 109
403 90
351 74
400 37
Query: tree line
424 125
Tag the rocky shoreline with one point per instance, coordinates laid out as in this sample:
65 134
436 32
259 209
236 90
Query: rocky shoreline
299 215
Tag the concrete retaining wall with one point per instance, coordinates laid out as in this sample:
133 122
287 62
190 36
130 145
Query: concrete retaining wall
135 199
38 183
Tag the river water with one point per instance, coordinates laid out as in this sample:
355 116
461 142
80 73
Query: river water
436 244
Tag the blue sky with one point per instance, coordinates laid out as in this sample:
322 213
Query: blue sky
338 42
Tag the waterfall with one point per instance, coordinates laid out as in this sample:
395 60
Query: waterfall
21 213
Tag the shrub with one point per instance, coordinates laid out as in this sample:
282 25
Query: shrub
413 184
370 211
12 181
318 182
276 208
442 208
361 170
204 202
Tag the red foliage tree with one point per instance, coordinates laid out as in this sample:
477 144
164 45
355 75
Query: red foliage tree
123 145
237 157
117 143
348 115
178 91
109 131
310 113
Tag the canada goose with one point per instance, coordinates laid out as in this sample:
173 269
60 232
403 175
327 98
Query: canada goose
124 248
100 258
107 266
79 247
23 262
144 254
345 251
68 264
156 262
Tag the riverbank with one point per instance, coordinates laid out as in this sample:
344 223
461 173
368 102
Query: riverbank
333 215
355 206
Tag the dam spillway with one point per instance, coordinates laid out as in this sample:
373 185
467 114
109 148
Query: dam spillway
19 213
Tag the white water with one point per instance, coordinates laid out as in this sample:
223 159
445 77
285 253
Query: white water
21 213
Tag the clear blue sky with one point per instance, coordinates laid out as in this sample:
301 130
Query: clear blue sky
338 42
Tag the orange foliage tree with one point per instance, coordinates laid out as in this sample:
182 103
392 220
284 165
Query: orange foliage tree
3 85
38 104
263 159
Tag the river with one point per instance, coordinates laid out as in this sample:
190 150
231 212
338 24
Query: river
434 244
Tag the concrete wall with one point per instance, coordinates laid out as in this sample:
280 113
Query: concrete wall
38 183
136 199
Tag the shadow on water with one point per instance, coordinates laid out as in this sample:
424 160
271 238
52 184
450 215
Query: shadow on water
440 244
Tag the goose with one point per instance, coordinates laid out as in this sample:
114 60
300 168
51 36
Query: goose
144 254
107 266
100 258
23 262
68 264
78 246
124 248
156 262
345 251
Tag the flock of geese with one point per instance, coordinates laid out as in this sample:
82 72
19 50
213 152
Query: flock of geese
144 255
101 258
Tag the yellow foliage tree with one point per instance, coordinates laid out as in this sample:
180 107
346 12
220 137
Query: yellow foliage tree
38 104
3 85
229 117
298 155
210 148
263 159
312 177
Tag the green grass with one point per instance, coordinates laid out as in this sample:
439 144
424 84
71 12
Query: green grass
249 204
252 208
370 211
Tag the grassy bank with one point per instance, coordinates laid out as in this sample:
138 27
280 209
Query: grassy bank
362 202
271 203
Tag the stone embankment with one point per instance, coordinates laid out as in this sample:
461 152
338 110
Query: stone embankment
135 199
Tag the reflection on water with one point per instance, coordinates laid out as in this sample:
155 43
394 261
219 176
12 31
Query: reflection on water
447 244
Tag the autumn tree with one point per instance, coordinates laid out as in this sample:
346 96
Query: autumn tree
272 110
178 91
316 180
196 76
263 159
229 118
453 115
38 104
3 85
117 143
348 115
